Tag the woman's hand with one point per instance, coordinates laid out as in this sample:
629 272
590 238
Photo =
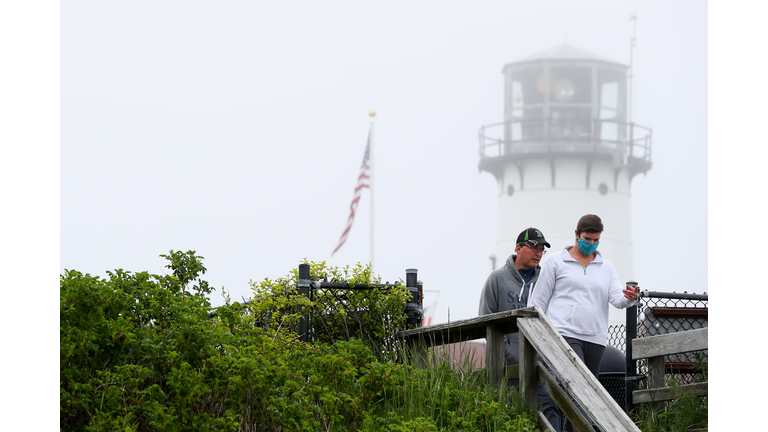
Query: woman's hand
631 293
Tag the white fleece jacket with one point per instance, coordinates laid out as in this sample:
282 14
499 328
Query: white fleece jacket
576 299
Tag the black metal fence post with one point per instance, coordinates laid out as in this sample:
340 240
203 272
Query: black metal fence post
304 291
631 372
413 309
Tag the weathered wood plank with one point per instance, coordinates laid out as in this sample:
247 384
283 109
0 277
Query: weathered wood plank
672 343
528 373
468 329
669 393
494 354
656 376
563 401
543 420
574 375
419 353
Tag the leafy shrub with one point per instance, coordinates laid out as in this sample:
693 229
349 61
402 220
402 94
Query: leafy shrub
372 315
143 352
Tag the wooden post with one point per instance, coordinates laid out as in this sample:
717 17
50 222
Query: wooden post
494 354
656 378
528 372
656 372
419 352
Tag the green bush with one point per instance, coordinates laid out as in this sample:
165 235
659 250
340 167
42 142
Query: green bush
143 352
372 315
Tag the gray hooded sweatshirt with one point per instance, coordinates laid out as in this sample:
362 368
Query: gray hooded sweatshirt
506 290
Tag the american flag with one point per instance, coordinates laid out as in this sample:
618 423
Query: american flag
362 182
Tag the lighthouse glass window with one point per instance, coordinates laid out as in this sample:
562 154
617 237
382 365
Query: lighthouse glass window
570 86
570 96
611 96
518 101
525 102
609 103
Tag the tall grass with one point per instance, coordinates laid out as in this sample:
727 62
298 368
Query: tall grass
452 395
684 413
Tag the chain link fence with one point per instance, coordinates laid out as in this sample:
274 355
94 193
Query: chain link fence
338 310
341 312
617 337
658 313
372 313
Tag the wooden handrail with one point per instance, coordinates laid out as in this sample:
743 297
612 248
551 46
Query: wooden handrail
670 343
572 374
491 327
537 337
655 348
468 329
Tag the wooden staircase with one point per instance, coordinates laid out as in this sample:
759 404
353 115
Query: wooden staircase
537 337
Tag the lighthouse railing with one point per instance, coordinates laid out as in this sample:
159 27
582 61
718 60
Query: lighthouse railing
546 136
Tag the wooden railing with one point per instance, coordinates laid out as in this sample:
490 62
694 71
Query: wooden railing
537 337
655 348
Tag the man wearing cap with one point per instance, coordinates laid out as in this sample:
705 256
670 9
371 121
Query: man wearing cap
508 288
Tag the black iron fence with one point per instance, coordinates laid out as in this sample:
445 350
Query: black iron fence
341 310
352 302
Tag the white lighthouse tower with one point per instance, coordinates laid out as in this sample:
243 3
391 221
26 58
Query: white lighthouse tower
566 148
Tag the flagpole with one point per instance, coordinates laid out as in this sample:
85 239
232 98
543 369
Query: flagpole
371 159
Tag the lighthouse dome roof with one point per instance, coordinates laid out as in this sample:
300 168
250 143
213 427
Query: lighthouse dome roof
565 52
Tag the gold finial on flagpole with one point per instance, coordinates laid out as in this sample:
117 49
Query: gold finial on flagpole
372 113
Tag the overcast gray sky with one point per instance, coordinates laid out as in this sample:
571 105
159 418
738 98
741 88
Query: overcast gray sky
237 129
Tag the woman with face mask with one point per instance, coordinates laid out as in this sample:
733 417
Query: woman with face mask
574 289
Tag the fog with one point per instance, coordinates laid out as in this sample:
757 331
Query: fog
237 129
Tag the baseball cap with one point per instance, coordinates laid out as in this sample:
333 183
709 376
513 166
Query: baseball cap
533 237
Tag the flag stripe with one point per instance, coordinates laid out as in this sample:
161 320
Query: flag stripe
362 183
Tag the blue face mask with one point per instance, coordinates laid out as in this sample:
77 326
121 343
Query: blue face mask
586 247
